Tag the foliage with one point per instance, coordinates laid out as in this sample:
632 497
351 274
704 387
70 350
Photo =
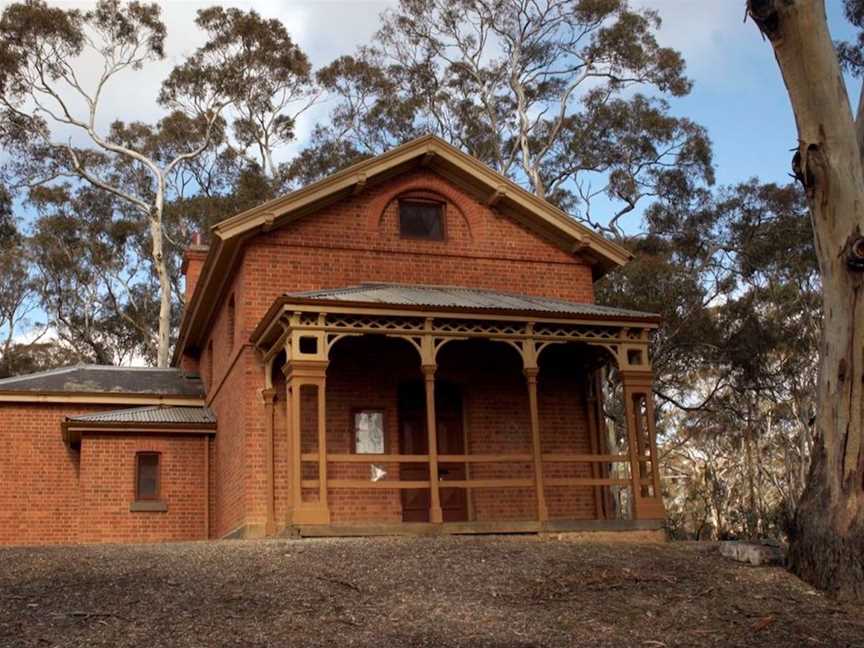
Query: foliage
256 62
18 299
540 91
247 63
734 276
94 282
38 356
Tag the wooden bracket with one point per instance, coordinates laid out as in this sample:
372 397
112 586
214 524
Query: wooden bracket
360 185
496 196
269 222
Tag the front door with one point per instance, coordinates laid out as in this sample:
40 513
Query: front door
414 440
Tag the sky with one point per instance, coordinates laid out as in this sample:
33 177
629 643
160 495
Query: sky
738 94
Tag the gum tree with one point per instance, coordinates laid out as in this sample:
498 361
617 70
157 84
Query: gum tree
47 106
827 541
546 92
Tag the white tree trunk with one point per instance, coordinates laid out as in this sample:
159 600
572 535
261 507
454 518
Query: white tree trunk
160 262
827 543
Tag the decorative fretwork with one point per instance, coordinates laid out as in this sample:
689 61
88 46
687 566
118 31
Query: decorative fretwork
599 333
371 323
619 340
308 319
484 328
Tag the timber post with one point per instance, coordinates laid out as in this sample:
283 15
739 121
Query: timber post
435 514
642 445
307 355
429 365
592 411
531 371
269 396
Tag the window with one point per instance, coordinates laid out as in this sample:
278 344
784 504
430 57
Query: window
231 319
369 432
147 476
422 219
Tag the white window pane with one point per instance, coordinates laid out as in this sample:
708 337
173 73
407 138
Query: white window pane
369 432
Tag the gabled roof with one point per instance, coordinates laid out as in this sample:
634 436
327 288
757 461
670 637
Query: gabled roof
461 298
430 152
106 382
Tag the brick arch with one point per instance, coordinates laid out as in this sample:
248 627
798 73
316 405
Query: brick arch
462 203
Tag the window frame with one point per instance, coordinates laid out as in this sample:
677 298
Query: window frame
427 199
158 490
353 428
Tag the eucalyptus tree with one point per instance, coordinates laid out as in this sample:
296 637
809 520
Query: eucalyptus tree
827 542
734 275
89 262
248 78
18 300
546 92
268 73
47 105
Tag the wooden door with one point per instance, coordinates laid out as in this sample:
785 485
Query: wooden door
414 440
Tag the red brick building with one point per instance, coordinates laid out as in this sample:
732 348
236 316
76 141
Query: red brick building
408 346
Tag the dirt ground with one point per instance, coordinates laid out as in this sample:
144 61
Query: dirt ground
450 591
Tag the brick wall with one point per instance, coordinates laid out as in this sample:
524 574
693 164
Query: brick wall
107 487
357 240
366 373
54 494
39 501
564 429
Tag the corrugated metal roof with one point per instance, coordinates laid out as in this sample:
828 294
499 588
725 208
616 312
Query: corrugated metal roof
151 415
104 379
462 298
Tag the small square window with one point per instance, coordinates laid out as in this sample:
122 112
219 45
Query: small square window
421 219
147 476
369 432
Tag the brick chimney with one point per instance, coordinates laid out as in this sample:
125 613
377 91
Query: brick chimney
193 262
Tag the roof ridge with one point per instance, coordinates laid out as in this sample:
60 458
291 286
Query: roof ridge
44 372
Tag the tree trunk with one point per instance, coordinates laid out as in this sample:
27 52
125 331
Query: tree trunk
827 539
161 264
749 460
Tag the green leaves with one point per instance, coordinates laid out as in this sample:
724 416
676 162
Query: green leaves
535 90
253 64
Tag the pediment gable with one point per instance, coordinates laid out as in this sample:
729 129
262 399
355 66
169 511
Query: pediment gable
379 178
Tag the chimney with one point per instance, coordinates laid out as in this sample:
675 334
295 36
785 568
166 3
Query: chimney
193 262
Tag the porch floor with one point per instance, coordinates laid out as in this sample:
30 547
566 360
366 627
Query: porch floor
471 528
